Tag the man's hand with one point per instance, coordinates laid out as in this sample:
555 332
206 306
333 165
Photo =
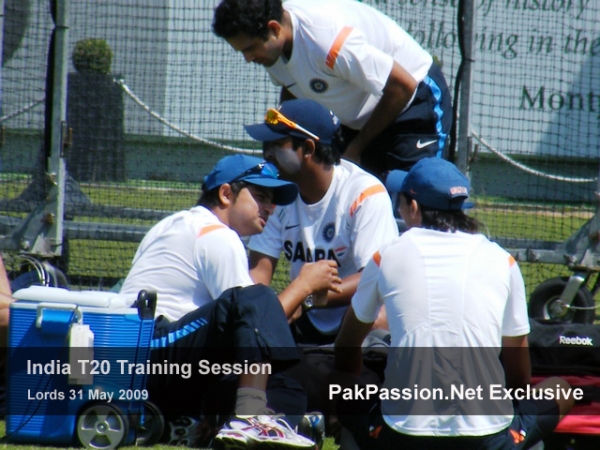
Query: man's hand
321 276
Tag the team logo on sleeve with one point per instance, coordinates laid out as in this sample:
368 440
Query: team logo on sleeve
329 232
318 85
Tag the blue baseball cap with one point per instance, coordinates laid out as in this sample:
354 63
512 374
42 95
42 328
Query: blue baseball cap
253 171
299 118
434 183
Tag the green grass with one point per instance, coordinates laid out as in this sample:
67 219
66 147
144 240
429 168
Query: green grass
329 444
141 194
111 260
542 225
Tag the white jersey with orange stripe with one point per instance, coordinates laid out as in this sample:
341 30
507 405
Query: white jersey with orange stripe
347 225
189 259
342 55
443 290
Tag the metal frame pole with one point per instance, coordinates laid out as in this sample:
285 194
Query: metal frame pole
467 24
1 45
56 162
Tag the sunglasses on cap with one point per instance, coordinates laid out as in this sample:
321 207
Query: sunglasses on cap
274 117
263 170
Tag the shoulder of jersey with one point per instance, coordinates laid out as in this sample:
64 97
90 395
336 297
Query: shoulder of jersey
495 250
501 252
321 18
208 229
361 185
391 246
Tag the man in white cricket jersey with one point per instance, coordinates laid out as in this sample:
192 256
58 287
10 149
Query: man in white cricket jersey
343 214
454 302
391 98
209 309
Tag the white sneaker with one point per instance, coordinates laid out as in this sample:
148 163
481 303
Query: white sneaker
245 432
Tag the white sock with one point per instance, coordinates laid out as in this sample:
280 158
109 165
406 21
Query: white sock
250 402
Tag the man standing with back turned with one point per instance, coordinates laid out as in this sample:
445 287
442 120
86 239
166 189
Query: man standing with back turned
391 98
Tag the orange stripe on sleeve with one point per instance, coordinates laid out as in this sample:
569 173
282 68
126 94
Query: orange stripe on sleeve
205 230
377 258
337 45
363 195
511 261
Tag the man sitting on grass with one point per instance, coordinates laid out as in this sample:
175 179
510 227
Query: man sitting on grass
209 309
458 320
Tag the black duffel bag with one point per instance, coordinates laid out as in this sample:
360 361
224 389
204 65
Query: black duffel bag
564 348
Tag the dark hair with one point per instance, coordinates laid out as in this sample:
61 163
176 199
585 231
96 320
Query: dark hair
246 16
211 199
440 220
328 154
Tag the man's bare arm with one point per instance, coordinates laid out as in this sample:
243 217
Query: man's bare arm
515 358
262 267
312 279
398 91
348 344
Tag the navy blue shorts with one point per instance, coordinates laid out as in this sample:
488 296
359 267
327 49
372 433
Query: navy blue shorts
304 332
422 131
244 326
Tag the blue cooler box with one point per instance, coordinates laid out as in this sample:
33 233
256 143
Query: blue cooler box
54 395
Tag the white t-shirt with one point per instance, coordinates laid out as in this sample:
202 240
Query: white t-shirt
189 258
342 56
347 225
444 290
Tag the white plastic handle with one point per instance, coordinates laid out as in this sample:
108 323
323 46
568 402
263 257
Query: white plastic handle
60 306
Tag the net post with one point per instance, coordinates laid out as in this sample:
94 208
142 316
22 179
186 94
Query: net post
467 23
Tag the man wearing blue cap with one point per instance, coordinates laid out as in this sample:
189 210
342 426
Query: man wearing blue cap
342 214
209 309
454 301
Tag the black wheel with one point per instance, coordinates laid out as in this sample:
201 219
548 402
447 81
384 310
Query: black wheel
102 426
545 303
151 426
